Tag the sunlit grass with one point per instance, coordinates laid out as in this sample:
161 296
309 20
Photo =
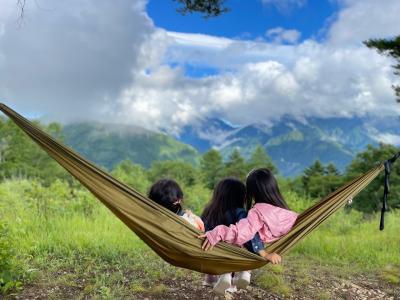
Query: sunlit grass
65 246
348 239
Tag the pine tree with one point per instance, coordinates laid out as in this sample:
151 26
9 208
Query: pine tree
184 173
332 179
389 47
236 166
209 8
211 167
132 174
260 159
316 169
22 158
370 199
331 169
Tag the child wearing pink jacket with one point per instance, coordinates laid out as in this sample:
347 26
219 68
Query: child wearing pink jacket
270 216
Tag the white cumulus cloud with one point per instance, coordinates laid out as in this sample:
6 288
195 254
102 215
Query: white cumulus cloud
359 20
280 35
285 5
68 58
102 60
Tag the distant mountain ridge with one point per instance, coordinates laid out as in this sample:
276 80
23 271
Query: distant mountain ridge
295 144
206 135
292 144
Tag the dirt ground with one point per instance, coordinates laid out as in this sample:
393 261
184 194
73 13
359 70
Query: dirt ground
323 288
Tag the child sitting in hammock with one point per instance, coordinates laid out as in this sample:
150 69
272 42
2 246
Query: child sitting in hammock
270 216
225 208
168 193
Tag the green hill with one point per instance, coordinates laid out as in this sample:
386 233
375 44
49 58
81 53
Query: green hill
108 144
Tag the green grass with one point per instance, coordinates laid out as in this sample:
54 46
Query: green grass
391 274
348 239
93 251
64 249
272 279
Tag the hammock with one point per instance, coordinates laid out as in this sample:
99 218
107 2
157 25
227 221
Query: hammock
169 235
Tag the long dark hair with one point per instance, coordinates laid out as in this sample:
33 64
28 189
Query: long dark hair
228 195
262 187
167 192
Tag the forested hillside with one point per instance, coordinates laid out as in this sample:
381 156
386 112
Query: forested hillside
294 143
108 144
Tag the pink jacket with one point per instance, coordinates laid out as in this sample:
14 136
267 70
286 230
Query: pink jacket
270 221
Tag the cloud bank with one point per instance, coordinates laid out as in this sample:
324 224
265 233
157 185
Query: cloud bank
93 59
67 58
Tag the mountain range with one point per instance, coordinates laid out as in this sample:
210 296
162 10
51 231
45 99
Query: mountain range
293 144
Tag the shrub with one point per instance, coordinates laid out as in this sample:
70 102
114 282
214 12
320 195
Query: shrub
8 276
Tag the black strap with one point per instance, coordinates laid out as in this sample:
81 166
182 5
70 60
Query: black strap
388 168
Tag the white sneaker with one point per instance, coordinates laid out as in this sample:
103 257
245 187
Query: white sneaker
223 283
210 280
242 279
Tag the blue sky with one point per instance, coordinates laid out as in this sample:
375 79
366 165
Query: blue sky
248 19
140 62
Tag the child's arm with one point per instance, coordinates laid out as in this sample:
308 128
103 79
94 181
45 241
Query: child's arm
255 244
272 257
237 234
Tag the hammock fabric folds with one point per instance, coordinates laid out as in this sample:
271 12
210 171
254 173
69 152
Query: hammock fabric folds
169 235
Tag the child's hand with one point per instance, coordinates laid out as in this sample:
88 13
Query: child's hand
206 244
272 257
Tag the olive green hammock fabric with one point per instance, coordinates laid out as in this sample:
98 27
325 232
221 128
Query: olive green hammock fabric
169 235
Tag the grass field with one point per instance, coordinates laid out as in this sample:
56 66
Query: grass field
70 240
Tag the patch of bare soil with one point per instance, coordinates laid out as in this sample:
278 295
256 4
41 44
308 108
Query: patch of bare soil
361 288
45 292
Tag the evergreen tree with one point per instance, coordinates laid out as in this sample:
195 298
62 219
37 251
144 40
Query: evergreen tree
332 179
55 130
293 184
3 142
236 166
318 186
211 167
209 8
184 173
22 158
316 169
132 174
260 159
370 199
389 47
319 181
331 169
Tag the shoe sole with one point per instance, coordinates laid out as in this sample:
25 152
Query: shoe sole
220 288
241 283
208 284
